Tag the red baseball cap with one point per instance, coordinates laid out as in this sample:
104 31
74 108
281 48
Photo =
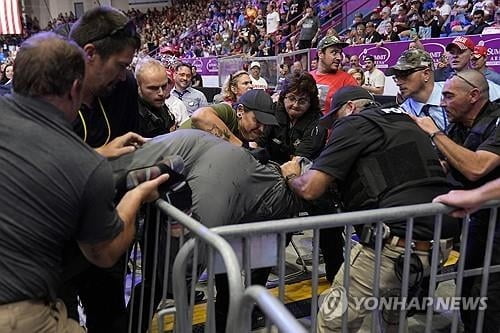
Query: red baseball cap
462 42
480 51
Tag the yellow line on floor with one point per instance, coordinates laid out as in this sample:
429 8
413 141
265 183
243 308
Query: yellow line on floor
293 293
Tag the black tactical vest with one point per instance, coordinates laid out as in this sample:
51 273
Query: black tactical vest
405 158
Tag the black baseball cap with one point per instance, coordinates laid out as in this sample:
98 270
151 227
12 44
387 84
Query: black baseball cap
341 97
258 101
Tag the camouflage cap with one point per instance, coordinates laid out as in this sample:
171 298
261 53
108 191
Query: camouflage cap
331 41
412 59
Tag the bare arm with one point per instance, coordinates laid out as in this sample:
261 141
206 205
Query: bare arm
470 201
106 253
374 90
206 119
472 164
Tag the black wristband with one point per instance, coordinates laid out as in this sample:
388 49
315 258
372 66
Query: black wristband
433 134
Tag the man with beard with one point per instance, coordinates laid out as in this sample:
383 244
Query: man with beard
153 83
54 188
109 108
106 121
471 147
374 77
193 99
328 76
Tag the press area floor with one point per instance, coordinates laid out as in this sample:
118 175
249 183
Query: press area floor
297 297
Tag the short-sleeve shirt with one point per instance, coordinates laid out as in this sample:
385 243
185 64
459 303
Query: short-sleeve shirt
375 79
54 188
273 22
361 136
225 113
110 116
309 28
484 135
328 84
261 83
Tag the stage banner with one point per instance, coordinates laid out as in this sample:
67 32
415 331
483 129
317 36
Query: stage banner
388 53
204 66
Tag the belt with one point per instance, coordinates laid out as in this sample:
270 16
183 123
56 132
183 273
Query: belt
418 244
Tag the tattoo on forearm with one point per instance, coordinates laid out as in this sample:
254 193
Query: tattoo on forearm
217 131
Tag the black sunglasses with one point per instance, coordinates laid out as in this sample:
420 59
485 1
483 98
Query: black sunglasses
404 74
126 30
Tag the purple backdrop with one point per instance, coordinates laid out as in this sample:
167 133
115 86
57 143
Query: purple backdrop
387 54
205 66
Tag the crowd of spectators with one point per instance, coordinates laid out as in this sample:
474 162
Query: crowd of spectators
198 28
423 19
254 28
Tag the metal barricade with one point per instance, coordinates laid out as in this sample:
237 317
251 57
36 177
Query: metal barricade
271 307
163 278
377 217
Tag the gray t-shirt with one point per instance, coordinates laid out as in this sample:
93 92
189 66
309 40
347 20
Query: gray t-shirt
309 28
229 186
54 188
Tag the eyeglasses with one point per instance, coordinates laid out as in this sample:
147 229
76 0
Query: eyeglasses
127 30
403 75
293 99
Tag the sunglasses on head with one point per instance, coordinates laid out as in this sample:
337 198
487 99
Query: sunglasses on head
465 80
126 30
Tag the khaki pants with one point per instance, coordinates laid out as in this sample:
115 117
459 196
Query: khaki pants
360 286
36 316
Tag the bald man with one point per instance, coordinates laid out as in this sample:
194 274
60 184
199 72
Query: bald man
471 147
154 86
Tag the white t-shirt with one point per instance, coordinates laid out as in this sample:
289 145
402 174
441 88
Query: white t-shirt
444 10
261 83
178 109
272 22
375 79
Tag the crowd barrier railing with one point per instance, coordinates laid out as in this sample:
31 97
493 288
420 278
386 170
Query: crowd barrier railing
378 217
274 232
271 307
169 233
